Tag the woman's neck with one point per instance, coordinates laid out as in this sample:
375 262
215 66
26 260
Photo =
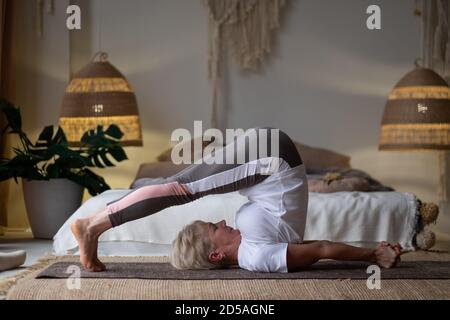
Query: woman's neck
232 253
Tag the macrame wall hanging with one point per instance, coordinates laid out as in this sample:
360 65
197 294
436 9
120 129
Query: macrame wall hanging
244 27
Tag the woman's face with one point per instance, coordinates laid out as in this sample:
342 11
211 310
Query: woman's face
222 235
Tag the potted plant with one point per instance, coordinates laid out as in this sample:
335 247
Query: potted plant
53 175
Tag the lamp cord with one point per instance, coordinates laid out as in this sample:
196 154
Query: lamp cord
100 21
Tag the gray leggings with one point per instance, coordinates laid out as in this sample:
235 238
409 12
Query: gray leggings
248 169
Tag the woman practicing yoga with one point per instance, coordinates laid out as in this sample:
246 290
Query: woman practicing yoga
262 164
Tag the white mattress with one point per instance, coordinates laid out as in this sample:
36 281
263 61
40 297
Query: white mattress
358 218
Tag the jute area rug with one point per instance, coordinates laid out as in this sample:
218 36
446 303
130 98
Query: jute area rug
25 286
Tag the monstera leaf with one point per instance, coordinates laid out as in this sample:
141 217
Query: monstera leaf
99 137
51 158
21 165
13 117
56 169
46 138
14 120
94 183
103 143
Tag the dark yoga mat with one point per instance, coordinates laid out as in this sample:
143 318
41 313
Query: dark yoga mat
321 270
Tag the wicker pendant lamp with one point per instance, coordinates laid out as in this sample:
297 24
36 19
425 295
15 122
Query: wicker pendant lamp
417 113
100 95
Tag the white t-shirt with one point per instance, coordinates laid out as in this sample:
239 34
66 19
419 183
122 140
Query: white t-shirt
274 216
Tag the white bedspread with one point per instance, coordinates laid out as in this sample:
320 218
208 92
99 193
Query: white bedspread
358 218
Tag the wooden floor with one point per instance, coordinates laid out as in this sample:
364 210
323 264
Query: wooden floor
33 247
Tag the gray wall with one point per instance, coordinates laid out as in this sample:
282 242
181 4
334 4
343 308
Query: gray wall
42 71
326 84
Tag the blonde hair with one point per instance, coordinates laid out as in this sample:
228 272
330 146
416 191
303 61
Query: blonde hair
191 248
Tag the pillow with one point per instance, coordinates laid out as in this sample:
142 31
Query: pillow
166 155
159 169
314 158
336 180
318 158
343 184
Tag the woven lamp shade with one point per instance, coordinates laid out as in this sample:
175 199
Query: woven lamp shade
100 95
417 113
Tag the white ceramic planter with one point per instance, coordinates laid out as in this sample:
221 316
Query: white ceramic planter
50 203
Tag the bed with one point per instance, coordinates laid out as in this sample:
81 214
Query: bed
367 214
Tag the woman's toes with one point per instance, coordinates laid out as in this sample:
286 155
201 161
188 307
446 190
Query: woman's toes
95 267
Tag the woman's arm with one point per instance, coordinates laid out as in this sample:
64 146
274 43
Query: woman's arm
300 256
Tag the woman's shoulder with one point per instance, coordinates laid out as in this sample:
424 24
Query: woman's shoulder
262 256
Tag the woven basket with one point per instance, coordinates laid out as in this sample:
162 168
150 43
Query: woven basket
100 95
417 113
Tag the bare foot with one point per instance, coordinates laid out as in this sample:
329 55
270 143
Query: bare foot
386 255
88 243
102 266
